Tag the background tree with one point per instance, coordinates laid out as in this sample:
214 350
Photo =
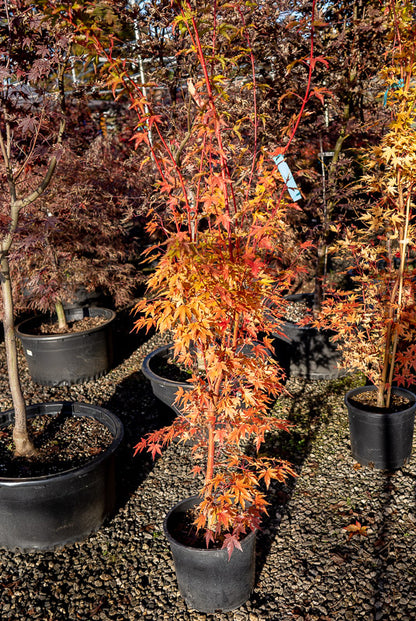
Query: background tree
31 132
80 236
343 115
54 234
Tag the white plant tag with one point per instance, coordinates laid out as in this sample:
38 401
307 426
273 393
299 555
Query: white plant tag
287 177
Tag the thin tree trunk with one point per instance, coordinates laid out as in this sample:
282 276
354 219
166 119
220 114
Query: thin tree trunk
209 474
23 444
60 313
59 308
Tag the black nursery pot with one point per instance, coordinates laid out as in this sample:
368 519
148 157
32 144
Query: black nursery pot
41 513
381 439
207 580
305 351
163 388
73 358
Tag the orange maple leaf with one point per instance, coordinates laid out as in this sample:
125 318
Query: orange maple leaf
356 529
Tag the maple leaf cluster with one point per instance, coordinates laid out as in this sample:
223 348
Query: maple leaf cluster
356 529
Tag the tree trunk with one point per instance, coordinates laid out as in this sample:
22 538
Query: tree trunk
23 444
60 313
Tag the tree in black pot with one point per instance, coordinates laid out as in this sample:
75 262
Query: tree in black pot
227 214
75 240
375 322
39 511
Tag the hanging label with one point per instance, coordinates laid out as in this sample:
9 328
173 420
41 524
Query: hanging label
287 177
394 86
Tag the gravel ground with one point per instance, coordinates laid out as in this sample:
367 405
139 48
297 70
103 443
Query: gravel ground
307 567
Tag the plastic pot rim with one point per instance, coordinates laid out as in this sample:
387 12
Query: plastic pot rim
53 337
395 390
194 500
154 377
91 464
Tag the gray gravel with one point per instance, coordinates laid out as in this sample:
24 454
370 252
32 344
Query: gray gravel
307 568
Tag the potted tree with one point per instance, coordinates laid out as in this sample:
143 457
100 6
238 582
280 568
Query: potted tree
75 240
225 223
63 501
375 322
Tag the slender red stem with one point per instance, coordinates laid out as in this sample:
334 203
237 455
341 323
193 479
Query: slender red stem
308 86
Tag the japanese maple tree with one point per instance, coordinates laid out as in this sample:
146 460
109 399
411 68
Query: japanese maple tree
220 265
375 322
31 132
56 232
76 238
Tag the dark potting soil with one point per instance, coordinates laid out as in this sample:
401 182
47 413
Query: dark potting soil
62 443
183 530
86 323
166 368
367 401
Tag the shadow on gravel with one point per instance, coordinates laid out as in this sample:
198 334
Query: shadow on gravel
382 546
388 553
140 412
308 408
126 340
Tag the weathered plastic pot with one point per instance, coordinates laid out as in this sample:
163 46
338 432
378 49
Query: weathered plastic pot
163 388
381 439
73 358
207 580
305 351
41 513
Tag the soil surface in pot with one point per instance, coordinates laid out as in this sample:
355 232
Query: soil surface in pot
86 323
367 401
62 442
182 529
297 310
165 367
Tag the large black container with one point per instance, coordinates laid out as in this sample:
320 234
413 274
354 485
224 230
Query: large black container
41 513
381 439
73 358
305 351
207 580
163 388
